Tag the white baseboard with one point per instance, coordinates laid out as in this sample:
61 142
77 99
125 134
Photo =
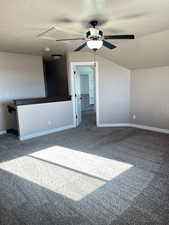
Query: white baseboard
114 125
2 132
26 137
160 130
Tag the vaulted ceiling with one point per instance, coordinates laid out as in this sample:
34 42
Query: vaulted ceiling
22 21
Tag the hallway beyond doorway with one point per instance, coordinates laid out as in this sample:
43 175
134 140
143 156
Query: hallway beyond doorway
85 95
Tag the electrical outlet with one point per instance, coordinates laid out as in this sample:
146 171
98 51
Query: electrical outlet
134 116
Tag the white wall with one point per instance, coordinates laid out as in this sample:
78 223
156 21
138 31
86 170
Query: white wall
21 76
150 97
51 117
114 88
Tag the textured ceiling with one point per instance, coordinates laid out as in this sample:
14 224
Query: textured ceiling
22 21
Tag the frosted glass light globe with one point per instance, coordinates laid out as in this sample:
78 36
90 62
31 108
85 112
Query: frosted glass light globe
94 44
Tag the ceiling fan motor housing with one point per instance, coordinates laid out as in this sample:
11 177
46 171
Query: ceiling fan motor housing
94 34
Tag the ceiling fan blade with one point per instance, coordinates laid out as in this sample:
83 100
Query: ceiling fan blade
70 39
69 31
126 36
80 47
108 45
45 32
65 20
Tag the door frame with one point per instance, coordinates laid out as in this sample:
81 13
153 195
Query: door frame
73 65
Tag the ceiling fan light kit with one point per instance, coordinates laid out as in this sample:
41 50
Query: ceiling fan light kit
94 44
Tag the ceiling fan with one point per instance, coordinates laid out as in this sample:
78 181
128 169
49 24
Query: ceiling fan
95 38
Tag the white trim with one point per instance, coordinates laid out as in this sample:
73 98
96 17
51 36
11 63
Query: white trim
114 125
73 94
97 92
26 137
160 130
2 132
144 127
73 64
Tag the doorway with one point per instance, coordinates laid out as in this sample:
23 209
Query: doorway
85 85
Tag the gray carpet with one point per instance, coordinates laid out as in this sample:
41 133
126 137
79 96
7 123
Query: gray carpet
88 119
85 176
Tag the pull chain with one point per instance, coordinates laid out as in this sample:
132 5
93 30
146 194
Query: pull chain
94 57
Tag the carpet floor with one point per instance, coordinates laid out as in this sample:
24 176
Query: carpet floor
88 119
85 176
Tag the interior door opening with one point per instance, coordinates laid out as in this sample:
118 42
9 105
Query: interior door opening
85 95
